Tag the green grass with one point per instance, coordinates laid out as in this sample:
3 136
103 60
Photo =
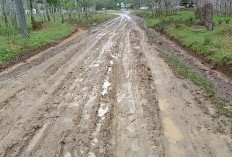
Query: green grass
187 72
183 70
13 44
215 46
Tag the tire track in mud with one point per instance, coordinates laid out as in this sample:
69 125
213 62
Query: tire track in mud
88 144
147 93
39 90
103 137
31 74
50 74
50 71
96 43
93 137
137 108
86 72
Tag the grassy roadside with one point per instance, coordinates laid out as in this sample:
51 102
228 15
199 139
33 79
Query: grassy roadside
16 44
13 44
183 70
215 46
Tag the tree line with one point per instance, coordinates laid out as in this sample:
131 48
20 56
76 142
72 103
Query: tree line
13 12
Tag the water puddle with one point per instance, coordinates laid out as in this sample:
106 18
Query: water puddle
102 110
173 135
105 87
175 151
109 44
171 131
74 104
86 110
68 154
91 154
101 113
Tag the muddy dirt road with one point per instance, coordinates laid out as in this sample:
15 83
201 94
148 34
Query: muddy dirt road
105 93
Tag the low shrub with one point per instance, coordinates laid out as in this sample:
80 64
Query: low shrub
189 22
220 21
227 21
207 41
177 25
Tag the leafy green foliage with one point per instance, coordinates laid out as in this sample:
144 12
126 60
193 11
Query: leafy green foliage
53 2
220 21
227 21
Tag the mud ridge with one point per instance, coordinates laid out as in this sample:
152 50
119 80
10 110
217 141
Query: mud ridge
147 92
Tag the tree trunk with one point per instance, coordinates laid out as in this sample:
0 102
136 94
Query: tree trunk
21 17
208 18
54 13
14 20
69 15
47 12
62 18
198 9
105 8
86 14
4 12
204 11
33 23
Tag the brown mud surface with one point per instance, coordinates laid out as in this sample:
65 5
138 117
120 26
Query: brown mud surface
106 93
